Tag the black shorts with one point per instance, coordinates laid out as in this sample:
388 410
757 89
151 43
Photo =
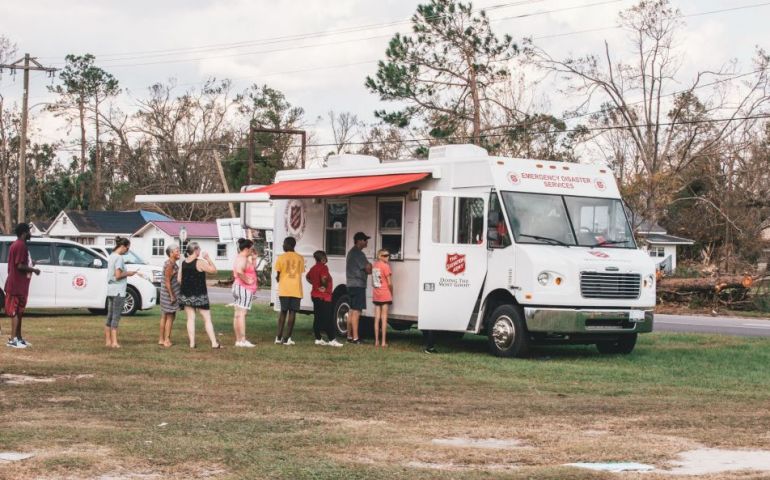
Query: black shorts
379 304
289 304
357 298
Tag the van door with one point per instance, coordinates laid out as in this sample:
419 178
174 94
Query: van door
453 258
42 288
81 277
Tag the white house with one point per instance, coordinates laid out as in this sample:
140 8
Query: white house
94 227
660 245
150 241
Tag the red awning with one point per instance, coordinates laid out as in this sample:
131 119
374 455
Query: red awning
337 187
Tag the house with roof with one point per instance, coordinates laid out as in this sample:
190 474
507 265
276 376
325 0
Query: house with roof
38 228
150 241
99 227
661 246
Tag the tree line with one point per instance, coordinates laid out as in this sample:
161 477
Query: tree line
691 152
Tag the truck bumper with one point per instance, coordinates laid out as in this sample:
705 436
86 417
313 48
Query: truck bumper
574 320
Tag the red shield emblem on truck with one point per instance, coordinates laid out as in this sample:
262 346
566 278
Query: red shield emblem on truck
295 217
455 263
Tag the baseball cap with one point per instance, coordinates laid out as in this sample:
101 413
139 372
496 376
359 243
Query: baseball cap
360 236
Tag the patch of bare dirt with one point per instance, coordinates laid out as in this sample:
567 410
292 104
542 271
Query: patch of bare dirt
491 443
705 461
16 379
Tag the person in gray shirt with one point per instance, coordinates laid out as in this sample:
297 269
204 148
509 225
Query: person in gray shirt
117 280
357 269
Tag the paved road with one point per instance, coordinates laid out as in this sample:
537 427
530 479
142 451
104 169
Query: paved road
663 323
745 327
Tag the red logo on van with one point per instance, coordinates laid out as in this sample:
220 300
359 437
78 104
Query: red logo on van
455 263
599 254
514 178
79 282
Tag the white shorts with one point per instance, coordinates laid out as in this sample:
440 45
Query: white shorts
243 297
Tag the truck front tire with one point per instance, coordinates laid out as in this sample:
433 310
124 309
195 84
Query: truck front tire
507 333
623 345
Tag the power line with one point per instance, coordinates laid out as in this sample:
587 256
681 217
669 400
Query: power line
286 38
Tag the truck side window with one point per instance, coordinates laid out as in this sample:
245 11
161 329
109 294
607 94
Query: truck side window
391 226
336 227
497 231
470 222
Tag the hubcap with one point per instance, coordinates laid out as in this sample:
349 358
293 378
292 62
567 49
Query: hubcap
128 305
503 332
342 317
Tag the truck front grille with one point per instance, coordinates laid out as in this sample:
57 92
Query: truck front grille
610 285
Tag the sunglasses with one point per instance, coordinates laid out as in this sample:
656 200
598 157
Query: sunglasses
385 255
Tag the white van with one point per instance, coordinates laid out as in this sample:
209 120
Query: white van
73 276
523 251
133 261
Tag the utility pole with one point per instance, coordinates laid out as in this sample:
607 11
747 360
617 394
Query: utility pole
27 63
253 130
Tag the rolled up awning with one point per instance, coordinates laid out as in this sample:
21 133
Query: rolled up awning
337 187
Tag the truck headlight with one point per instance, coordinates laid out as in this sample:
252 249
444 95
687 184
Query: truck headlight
543 278
649 281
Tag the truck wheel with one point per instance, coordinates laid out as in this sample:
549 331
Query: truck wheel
400 325
507 334
623 345
132 303
341 312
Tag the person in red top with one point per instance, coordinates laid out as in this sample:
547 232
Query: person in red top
382 295
321 294
20 270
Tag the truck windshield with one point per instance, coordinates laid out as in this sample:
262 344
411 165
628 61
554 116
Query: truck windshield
566 220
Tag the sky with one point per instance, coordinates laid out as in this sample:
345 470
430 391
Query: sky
318 53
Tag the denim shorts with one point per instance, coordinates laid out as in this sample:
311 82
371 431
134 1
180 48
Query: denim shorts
357 298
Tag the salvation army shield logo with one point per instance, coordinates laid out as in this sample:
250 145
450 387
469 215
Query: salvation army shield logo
598 254
600 184
513 177
79 282
455 263
294 218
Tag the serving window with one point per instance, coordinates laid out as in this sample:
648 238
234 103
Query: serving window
336 226
390 226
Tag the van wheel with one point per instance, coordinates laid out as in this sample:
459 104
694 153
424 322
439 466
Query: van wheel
507 334
623 345
131 305
341 312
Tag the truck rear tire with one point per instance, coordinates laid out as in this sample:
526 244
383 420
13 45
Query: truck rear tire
623 345
507 333
341 312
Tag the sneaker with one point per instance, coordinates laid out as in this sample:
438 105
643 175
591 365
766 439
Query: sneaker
431 350
278 341
15 343
321 341
350 340
334 343
247 344
238 343
357 341
24 342
289 341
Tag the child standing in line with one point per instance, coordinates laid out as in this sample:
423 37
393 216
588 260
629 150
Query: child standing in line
382 295
288 273
321 280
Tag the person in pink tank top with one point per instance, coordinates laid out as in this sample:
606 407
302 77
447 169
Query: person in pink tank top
382 295
244 289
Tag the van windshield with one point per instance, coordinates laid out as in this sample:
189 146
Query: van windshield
566 220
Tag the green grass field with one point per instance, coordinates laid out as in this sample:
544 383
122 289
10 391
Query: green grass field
361 412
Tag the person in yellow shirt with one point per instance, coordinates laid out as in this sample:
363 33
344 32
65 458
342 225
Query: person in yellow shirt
289 268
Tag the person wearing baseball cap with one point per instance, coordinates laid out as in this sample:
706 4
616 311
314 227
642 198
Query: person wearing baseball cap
357 268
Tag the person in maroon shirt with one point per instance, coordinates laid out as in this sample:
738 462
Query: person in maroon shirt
321 294
20 270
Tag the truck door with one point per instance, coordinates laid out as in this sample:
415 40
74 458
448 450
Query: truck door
453 258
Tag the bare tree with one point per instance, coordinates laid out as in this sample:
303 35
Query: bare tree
669 127
345 126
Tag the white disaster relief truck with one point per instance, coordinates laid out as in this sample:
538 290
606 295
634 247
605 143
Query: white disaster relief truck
522 251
